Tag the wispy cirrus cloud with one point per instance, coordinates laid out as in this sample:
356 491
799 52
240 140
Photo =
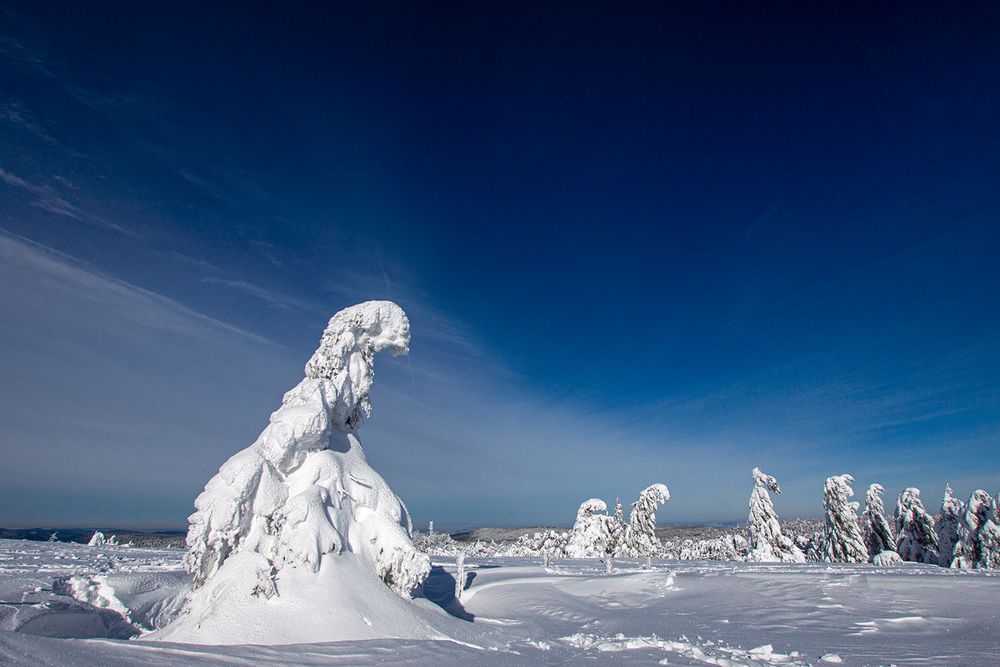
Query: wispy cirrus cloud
268 296
47 198
35 263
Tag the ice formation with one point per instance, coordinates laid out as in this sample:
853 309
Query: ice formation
299 516
766 541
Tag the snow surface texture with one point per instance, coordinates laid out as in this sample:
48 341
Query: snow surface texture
684 613
297 538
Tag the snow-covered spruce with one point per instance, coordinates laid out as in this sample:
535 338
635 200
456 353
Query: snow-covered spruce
842 541
591 532
97 539
640 534
767 544
948 527
876 531
301 515
915 538
980 543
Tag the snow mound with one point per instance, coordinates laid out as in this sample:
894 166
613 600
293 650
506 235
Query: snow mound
297 538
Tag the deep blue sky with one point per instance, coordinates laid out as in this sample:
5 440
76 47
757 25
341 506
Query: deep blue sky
638 243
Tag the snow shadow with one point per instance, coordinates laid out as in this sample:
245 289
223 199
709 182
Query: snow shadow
439 588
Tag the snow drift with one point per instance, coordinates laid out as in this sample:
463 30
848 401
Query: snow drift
297 538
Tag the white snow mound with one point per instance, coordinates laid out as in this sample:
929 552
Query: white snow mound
297 538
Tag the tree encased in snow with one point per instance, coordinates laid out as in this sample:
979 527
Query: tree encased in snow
842 542
877 533
980 543
591 532
303 492
767 544
915 538
640 533
948 527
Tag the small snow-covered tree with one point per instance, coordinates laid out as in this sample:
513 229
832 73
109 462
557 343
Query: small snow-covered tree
876 531
915 538
97 539
842 541
980 543
640 534
618 528
948 526
591 532
767 544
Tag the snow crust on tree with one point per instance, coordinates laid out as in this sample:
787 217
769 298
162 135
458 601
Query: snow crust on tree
300 514
915 537
842 542
948 527
877 533
97 539
979 546
767 544
591 532
640 534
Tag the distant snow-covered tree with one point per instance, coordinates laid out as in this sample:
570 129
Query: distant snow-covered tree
640 534
948 526
591 532
766 541
876 531
97 539
842 541
915 538
618 529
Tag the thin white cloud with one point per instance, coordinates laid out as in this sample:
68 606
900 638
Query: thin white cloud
37 263
270 297
48 199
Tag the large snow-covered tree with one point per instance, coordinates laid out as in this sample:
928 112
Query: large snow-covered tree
591 533
980 543
915 537
766 541
640 534
842 541
303 494
948 527
876 531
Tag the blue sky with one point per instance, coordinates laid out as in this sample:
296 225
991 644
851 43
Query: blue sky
638 243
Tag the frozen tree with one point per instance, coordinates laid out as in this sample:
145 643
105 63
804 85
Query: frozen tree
766 541
591 532
876 531
640 534
948 526
303 492
459 576
842 541
915 538
618 529
97 539
980 543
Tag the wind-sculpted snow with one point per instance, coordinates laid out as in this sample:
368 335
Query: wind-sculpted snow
520 613
282 516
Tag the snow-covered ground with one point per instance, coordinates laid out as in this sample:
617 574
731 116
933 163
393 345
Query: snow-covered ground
514 611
